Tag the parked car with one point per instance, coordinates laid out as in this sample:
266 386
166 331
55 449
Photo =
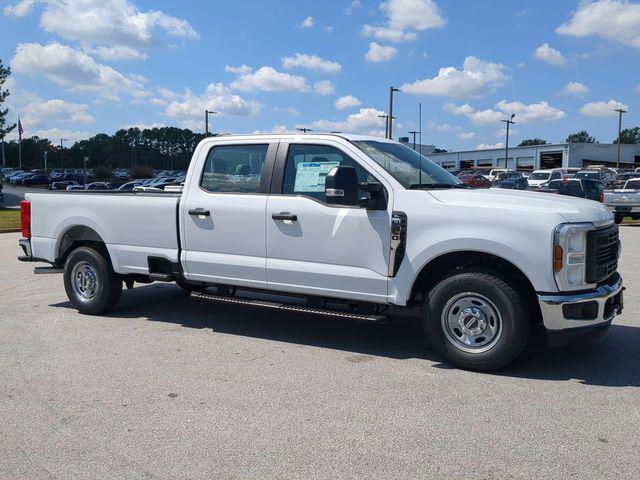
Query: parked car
593 174
540 177
75 186
130 185
494 173
475 180
513 183
36 179
337 219
576 187
99 186
624 202
62 185
507 174
13 178
622 178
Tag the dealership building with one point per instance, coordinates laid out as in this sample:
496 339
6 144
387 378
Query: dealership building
561 155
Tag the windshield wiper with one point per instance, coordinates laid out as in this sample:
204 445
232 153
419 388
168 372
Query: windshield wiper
428 186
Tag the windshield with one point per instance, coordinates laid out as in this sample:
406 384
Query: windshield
539 176
407 166
593 175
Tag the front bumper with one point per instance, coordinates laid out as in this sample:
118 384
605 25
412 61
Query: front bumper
584 312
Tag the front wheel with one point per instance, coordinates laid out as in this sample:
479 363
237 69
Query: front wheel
90 282
476 321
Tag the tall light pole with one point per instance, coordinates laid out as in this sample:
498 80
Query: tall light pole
620 112
414 133
62 151
506 144
206 121
386 124
392 90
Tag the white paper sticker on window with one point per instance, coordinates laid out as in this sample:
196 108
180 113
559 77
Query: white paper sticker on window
310 176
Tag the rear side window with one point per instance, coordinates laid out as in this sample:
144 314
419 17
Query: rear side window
307 167
234 168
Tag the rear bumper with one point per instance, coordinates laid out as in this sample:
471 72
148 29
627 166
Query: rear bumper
25 245
580 314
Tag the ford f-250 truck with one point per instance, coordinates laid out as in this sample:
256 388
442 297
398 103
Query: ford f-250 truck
624 202
344 225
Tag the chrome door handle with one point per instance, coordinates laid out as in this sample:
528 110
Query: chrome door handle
284 216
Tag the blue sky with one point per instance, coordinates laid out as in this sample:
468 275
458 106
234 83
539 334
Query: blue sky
88 66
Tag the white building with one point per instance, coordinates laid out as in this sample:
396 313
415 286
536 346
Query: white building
564 155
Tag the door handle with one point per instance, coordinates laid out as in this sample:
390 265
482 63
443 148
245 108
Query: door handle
200 212
284 216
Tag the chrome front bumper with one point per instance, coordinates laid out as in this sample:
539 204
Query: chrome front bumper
607 297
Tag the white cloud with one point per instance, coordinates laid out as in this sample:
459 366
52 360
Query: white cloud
270 80
355 4
276 129
55 134
380 53
20 9
614 20
108 24
466 135
75 70
444 127
307 23
40 111
347 101
324 87
118 53
533 112
575 89
189 108
311 62
404 18
477 78
484 146
241 70
365 121
548 54
602 109
145 126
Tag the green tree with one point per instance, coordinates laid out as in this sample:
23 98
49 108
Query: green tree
4 93
629 135
529 142
580 137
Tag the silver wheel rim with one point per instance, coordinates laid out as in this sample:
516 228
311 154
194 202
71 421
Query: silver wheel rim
84 281
471 322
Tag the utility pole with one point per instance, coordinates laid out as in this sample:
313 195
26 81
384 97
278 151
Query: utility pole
414 133
206 121
420 138
4 160
391 117
386 125
506 144
44 155
620 112
304 129
62 152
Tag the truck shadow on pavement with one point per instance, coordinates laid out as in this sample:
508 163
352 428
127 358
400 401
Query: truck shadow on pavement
612 360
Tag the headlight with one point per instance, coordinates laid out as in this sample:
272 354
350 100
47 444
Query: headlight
570 255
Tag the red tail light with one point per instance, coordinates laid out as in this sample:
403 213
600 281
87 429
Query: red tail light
25 218
602 198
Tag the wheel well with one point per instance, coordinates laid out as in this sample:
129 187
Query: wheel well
78 236
455 262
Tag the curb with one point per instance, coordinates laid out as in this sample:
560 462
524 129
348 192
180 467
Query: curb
11 230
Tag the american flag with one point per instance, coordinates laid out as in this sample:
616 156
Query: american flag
20 130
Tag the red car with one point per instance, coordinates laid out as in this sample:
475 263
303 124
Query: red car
475 180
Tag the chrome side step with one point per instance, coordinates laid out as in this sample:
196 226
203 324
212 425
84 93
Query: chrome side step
287 306
47 270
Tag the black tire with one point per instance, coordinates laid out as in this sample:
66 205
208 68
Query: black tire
512 319
189 287
617 218
90 262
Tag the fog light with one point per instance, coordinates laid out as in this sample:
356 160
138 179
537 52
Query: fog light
580 311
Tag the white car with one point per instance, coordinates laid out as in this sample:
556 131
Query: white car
540 177
351 225
494 173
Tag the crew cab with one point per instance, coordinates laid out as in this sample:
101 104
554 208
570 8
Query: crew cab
624 202
346 225
576 187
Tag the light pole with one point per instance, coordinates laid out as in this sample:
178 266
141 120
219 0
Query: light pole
506 144
414 133
391 117
62 151
620 112
206 121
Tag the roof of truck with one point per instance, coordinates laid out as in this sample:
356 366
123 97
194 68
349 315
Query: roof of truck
297 135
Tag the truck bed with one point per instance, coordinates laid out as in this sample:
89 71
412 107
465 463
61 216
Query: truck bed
133 226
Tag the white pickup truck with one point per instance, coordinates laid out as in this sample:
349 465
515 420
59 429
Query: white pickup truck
624 202
344 225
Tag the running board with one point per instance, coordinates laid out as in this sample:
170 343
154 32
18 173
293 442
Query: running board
287 306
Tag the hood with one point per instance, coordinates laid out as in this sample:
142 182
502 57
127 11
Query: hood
571 208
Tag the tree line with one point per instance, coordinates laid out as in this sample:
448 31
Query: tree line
628 136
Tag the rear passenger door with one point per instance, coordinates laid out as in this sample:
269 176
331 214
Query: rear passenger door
223 215
320 249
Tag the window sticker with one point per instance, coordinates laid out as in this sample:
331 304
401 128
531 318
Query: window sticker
310 176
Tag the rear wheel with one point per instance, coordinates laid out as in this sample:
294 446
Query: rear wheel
476 321
90 282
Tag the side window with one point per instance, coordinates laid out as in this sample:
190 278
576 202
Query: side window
234 168
307 167
555 175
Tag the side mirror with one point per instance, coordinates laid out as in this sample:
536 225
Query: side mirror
341 186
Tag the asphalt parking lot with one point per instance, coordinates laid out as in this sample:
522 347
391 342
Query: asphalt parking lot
180 388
